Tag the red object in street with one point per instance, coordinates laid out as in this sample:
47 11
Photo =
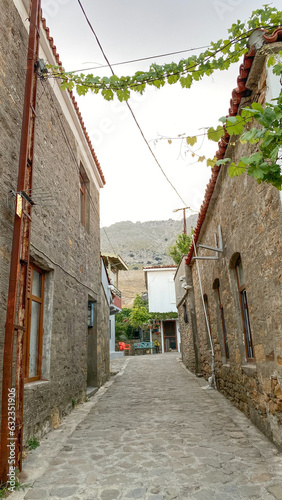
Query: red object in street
123 346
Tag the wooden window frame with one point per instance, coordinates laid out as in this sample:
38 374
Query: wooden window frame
206 303
225 340
249 347
33 298
82 200
185 313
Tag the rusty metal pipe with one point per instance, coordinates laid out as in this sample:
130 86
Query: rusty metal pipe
20 257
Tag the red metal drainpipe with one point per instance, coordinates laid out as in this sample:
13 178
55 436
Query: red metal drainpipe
16 305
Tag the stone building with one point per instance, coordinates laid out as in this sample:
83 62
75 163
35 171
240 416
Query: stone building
186 316
67 341
232 326
114 264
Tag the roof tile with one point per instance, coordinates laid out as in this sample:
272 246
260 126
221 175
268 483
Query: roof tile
276 35
237 95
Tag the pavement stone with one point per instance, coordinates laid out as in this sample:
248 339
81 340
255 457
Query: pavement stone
154 433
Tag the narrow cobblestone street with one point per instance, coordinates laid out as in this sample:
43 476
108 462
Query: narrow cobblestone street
154 433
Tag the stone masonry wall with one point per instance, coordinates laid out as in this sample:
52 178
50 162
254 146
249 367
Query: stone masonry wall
69 252
250 217
187 347
103 338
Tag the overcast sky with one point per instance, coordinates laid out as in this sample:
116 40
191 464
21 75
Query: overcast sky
135 188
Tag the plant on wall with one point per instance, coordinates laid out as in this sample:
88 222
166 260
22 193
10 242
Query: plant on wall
180 247
262 165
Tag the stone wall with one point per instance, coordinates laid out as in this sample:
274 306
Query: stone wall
60 244
250 217
103 335
187 348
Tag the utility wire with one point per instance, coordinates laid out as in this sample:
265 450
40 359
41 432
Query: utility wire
129 107
65 136
101 66
64 270
242 36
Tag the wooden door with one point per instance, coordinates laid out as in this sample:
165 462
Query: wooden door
170 340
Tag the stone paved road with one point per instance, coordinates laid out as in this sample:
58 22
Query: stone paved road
154 433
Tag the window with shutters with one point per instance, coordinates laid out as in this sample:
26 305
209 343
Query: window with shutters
84 199
216 286
244 309
185 313
208 329
34 332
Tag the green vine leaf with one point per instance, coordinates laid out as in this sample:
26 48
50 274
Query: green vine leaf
211 162
107 94
271 61
191 140
224 161
186 70
201 159
264 124
215 134
236 170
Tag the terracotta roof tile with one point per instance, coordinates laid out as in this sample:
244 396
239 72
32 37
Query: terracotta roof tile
57 57
159 267
276 35
236 97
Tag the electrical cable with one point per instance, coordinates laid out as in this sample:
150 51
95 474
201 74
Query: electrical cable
64 270
190 68
64 133
131 61
129 107
78 169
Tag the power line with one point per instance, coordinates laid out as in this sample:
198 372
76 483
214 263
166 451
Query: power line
64 270
65 136
189 69
129 107
130 61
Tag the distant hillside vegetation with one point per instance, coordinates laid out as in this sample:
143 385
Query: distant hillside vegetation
143 243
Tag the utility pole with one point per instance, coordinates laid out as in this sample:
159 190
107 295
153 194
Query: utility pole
184 217
12 430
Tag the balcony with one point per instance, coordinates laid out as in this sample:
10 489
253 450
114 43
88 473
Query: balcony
115 306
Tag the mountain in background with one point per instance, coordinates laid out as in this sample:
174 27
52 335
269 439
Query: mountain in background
142 244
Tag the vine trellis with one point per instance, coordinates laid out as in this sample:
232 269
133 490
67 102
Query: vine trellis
267 120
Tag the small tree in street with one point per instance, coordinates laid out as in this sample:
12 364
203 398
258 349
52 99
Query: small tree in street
123 329
180 247
139 314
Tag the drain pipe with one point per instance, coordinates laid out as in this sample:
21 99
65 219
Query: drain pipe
212 384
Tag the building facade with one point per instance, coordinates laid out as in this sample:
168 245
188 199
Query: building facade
234 321
67 336
187 317
161 297
113 265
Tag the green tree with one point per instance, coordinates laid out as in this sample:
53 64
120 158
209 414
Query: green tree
139 315
220 55
180 247
123 329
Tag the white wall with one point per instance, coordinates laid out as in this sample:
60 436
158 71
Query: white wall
112 333
161 291
105 282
